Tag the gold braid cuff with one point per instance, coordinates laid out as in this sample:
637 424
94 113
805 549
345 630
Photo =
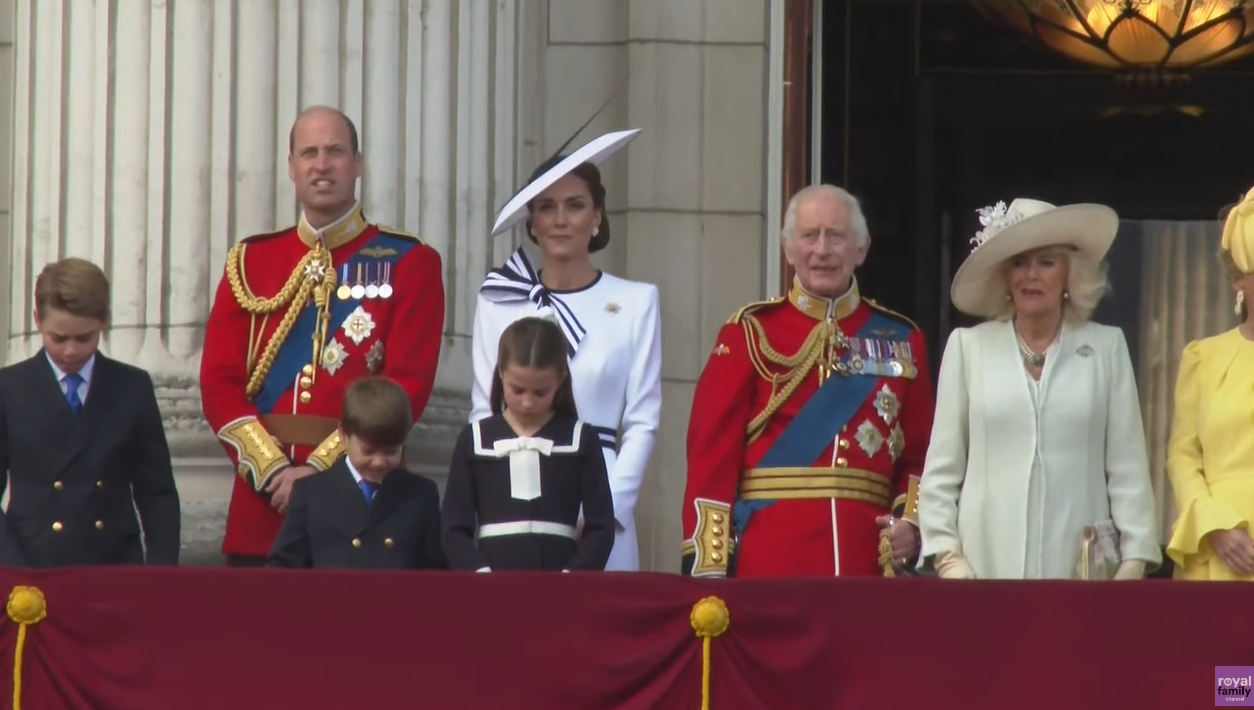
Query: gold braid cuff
711 545
313 278
331 449
820 344
259 455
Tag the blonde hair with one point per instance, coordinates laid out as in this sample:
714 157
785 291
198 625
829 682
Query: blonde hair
1087 284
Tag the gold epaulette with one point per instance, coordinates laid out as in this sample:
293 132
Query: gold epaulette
755 306
892 313
393 232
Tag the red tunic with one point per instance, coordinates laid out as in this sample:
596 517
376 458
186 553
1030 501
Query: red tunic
398 337
813 516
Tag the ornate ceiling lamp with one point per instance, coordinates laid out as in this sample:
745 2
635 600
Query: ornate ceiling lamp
1155 35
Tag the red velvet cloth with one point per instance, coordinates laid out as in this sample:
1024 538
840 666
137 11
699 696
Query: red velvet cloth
193 638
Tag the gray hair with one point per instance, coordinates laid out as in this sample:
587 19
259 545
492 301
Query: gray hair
1087 284
857 220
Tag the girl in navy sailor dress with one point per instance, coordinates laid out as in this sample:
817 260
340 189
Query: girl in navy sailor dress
519 477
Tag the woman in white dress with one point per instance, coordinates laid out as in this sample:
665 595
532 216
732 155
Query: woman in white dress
611 324
1037 442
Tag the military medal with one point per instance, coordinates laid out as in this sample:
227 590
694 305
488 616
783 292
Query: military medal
344 290
359 290
385 289
372 288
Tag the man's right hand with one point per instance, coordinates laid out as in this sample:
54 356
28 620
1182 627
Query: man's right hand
1235 548
280 486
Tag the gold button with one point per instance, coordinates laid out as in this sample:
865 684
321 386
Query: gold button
100 525
387 542
58 485
842 462
307 369
356 542
716 557
844 443
100 484
718 517
305 397
717 530
716 544
306 382
56 527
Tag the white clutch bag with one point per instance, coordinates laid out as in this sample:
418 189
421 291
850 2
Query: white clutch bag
1099 551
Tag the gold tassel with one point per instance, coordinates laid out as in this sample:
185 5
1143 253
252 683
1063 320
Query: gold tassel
709 620
26 607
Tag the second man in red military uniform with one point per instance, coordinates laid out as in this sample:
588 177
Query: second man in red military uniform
810 421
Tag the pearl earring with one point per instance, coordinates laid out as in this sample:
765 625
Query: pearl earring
1240 302
1066 295
596 231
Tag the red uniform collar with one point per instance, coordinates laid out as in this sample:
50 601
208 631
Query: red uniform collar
337 234
820 308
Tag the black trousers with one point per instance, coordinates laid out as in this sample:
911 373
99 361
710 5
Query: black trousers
245 561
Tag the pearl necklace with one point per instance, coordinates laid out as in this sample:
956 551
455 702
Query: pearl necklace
1030 356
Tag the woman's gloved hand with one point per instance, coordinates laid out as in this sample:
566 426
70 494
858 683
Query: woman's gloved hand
952 565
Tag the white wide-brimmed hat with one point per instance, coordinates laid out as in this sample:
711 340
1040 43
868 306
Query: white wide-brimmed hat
979 287
596 152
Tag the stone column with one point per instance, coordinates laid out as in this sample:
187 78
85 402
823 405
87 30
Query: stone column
151 136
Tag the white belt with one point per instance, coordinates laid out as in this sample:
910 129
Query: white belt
526 527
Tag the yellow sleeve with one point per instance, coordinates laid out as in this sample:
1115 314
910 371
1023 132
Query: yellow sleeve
1200 513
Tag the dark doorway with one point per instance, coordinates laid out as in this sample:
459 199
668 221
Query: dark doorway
931 110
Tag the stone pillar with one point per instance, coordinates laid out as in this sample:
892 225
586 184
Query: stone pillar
152 136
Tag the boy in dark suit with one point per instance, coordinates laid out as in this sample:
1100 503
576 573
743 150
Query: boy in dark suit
365 511
82 441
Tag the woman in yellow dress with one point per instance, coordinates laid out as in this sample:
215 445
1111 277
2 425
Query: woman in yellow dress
1210 458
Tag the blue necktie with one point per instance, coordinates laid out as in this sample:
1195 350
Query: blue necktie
368 489
72 383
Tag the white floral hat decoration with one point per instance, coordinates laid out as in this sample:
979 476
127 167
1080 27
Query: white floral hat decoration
979 287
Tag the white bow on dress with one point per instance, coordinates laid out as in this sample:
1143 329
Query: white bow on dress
524 464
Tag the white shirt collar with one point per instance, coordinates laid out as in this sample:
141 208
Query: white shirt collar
353 470
85 372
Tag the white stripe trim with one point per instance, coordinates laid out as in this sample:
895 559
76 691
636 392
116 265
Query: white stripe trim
526 527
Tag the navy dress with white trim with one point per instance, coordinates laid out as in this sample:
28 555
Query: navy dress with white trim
512 502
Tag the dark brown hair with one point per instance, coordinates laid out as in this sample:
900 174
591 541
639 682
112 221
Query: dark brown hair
537 343
377 411
591 176
75 286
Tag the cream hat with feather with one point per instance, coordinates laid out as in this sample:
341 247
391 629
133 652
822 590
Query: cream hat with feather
979 287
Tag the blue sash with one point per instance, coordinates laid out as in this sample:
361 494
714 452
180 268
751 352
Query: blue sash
820 420
297 348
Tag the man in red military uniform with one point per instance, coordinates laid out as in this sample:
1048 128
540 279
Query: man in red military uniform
299 315
810 421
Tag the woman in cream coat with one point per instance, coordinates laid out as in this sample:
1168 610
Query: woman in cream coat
1037 432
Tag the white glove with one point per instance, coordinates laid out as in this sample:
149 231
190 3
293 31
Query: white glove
1130 569
952 565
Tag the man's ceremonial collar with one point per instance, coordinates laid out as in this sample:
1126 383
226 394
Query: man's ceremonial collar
820 308
338 233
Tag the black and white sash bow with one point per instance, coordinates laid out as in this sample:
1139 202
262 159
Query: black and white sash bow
517 280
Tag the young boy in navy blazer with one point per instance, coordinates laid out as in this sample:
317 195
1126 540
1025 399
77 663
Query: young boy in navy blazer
365 511
82 441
